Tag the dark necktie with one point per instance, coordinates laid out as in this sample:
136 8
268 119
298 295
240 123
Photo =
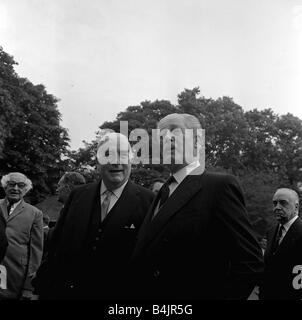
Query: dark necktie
278 237
9 206
164 193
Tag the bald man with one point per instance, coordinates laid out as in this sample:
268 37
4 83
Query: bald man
95 234
196 242
283 257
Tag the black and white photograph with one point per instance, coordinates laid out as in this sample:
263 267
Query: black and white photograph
150 153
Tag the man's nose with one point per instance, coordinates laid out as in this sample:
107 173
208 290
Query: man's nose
169 136
277 206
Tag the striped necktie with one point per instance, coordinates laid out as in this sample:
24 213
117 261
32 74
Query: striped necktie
105 204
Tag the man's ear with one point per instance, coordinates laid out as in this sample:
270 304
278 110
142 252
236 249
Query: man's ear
297 207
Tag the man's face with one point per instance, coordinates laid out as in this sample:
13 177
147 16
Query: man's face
63 190
285 205
178 144
15 189
116 172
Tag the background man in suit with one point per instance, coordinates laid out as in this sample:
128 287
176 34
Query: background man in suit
66 184
25 237
95 234
3 238
284 249
196 241
156 185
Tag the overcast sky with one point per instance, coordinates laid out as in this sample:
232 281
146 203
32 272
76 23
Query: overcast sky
100 56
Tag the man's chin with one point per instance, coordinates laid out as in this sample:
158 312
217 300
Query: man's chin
14 198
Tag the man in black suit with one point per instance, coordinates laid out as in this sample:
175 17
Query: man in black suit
96 232
282 278
3 238
196 241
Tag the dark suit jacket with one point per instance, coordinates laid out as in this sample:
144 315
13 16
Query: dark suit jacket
278 276
200 245
3 239
88 259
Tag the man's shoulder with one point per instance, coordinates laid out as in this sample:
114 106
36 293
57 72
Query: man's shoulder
297 227
218 177
31 208
140 189
85 187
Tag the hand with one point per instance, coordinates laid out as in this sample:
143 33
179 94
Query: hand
27 295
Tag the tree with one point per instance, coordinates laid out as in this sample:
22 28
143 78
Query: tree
262 149
32 140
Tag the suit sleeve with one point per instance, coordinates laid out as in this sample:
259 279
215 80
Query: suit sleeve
42 277
3 239
241 245
56 232
35 250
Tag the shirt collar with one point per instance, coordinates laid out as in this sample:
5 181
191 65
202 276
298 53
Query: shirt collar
288 224
185 171
116 192
14 205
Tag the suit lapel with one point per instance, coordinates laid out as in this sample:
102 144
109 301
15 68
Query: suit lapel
291 235
3 208
182 195
84 208
126 204
272 236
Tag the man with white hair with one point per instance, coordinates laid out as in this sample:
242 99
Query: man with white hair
24 232
96 232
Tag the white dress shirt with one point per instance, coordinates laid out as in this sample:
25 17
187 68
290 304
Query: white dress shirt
179 176
115 194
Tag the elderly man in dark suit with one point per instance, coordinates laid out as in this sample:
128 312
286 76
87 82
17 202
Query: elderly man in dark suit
282 278
95 234
3 238
25 237
196 241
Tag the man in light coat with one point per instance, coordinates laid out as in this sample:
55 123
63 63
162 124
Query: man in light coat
24 230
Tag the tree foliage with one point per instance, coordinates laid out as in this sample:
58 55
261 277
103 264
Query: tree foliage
261 148
31 138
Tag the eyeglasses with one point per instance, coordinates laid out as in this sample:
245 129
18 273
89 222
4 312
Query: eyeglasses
20 185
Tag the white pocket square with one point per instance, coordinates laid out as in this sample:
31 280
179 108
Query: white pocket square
131 227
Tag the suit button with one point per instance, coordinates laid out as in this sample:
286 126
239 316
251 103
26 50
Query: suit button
99 230
94 248
97 239
156 273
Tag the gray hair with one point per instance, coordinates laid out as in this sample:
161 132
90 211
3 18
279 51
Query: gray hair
73 178
6 178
